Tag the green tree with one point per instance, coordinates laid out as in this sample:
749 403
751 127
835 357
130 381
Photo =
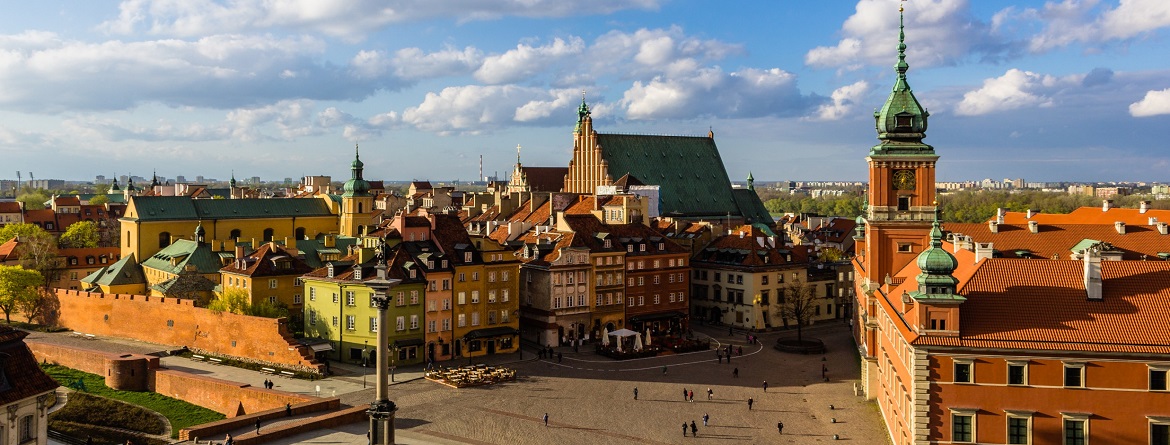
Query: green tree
99 199
101 188
830 255
236 301
80 234
37 248
19 288
33 200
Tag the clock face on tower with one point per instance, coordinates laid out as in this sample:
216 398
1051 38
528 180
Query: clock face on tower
903 179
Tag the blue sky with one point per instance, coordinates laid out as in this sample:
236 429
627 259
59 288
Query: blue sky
1060 90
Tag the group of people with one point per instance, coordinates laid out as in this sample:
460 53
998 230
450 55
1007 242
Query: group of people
269 384
547 352
727 352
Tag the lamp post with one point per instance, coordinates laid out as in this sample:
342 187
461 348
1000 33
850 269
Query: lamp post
382 410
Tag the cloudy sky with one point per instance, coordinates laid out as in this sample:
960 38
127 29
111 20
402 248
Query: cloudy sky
1056 90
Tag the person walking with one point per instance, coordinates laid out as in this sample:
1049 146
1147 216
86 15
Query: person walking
635 393
546 420
257 425
824 369
735 372
706 417
750 402
684 394
663 369
765 386
780 427
719 356
709 393
728 354
739 350
691 396
694 429
684 429
287 410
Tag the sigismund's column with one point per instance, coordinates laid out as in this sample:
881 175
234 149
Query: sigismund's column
382 410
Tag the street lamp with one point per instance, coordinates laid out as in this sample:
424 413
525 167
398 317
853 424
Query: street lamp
382 410
394 352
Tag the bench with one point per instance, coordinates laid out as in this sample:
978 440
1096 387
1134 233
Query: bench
268 371
287 374
78 334
198 357
216 361
90 337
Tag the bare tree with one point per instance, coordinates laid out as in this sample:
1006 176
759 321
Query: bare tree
797 302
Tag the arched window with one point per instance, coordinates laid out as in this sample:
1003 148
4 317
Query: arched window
164 240
361 230
300 233
267 236
359 207
235 235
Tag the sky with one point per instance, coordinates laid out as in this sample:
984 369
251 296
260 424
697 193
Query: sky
1071 90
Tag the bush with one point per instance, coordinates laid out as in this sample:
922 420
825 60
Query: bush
100 436
93 410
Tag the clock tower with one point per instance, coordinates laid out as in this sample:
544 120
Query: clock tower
901 197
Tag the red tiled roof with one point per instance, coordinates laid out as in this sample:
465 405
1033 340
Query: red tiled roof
23 376
1089 215
67 201
40 216
743 248
1053 239
9 207
545 179
1042 304
263 263
8 250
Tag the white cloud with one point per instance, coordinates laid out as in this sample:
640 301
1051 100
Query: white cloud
1155 103
47 73
649 52
350 19
476 108
713 92
939 32
845 99
414 64
525 61
1016 89
1087 21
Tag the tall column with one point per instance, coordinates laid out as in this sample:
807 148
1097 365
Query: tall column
382 410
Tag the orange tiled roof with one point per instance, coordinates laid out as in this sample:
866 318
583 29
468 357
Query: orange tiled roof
262 263
67 201
9 207
8 250
1089 215
1053 239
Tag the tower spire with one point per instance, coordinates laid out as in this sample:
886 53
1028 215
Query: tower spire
517 154
582 111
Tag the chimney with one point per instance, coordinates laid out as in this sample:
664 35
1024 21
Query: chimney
1120 226
1163 228
999 214
239 251
1153 221
1106 205
993 226
1092 258
1144 207
983 250
1032 212
1034 226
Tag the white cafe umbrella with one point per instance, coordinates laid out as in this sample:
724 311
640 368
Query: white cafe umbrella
647 336
604 336
638 342
619 344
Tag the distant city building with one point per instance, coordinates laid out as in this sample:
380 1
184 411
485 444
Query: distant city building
1109 192
1081 189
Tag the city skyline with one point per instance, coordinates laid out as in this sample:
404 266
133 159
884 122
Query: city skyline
1070 91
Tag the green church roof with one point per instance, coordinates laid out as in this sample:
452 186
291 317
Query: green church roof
123 271
688 169
901 122
169 208
187 252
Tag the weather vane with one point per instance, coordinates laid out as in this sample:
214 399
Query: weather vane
901 5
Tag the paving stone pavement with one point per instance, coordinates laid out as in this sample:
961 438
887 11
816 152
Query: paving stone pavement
589 398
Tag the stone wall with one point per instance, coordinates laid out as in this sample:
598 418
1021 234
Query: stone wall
229 398
217 429
178 322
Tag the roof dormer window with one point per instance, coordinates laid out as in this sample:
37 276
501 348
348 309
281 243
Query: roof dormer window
329 270
357 272
903 121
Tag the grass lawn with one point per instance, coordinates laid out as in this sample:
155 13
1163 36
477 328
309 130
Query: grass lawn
181 414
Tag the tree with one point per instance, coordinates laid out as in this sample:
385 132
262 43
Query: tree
18 288
99 199
80 234
33 201
236 301
37 248
797 302
830 255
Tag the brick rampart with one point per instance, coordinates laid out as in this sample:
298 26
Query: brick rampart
178 322
127 372
219 428
229 398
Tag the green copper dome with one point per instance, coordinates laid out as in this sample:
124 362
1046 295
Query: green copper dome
901 122
356 186
937 265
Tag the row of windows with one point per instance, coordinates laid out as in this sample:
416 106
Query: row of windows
738 278
656 264
679 297
1074 428
656 279
89 259
1074 374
